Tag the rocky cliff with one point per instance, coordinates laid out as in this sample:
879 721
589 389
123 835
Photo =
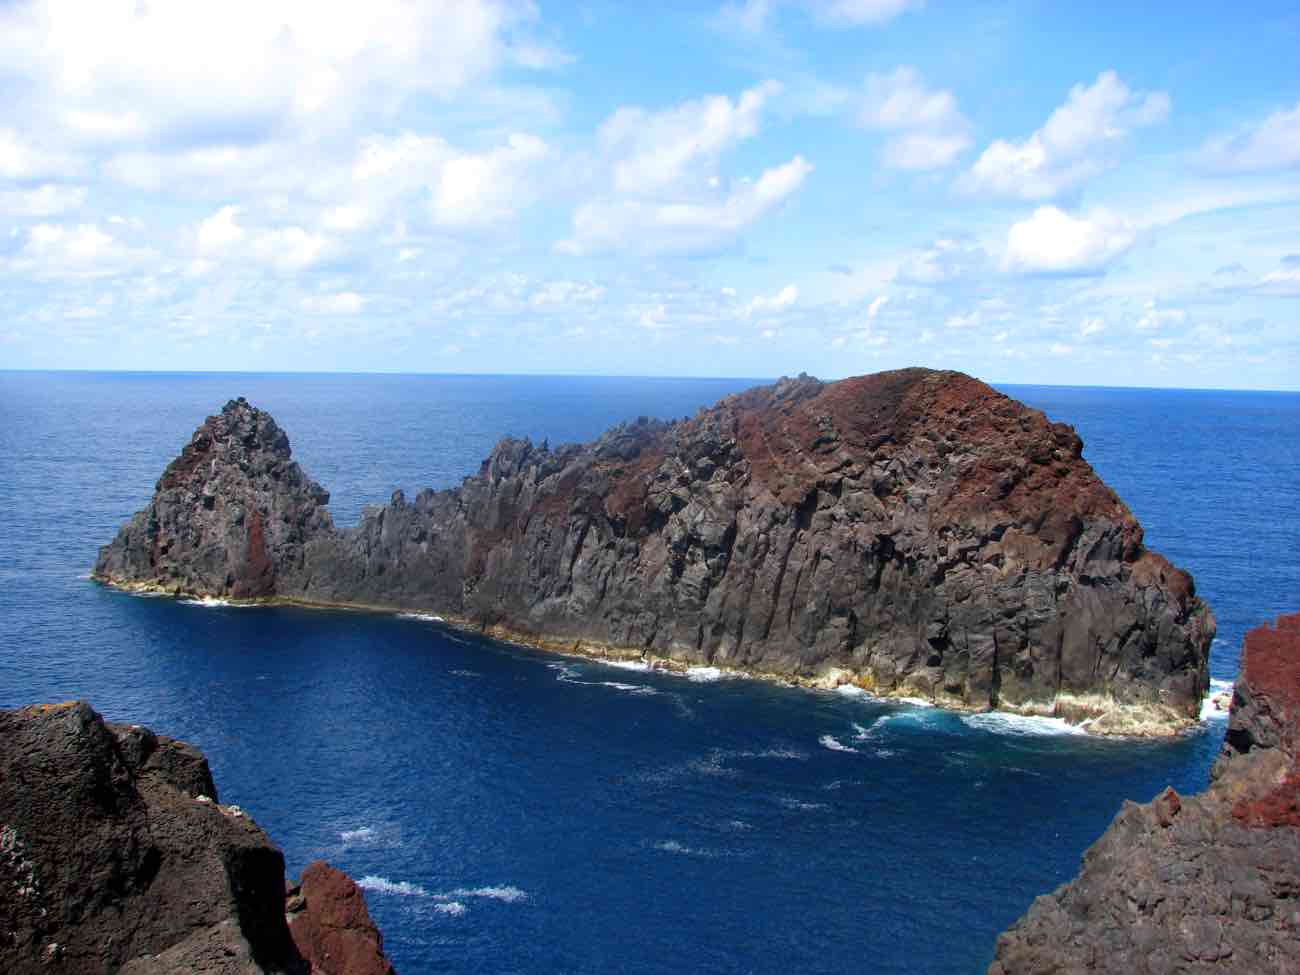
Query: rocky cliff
915 532
1204 883
116 857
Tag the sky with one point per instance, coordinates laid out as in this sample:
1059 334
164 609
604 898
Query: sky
1030 192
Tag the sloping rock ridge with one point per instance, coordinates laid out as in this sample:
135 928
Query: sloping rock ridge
1204 883
116 857
915 532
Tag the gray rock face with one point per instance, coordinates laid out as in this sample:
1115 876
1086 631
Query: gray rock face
915 532
1207 883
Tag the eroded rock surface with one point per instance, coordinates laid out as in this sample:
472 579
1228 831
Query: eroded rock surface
1204 883
116 857
331 925
915 532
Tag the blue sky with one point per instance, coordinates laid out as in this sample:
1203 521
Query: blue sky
1029 192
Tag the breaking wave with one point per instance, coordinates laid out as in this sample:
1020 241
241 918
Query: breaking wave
834 744
382 885
1006 723
423 617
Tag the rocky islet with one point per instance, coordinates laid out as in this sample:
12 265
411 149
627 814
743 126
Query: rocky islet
913 532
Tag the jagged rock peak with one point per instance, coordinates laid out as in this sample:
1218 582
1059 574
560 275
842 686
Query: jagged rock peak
915 532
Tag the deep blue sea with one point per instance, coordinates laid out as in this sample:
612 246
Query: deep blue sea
512 811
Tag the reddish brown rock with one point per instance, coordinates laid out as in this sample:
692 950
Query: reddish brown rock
1205 883
332 927
914 531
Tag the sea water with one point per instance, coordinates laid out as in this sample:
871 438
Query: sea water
507 810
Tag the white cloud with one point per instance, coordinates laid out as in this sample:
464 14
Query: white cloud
1091 326
1052 241
682 227
1155 318
764 304
565 294
1273 143
221 237
49 200
343 303
1061 349
656 151
876 305
943 262
22 160
754 16
248 63
1285 281
931 131
1076 143
54 250
970 320
475 190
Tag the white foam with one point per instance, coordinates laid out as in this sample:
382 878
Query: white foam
834 744
466 673
1217 701
638 665
800 804
885 753
1006 723
506 894
208 602
423 617
627 688
918 702
382 885
851 690
357 837
454 908
672 846
791 754
860 733
704 675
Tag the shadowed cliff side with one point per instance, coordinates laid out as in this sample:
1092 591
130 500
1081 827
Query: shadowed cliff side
1204 883
915 532
116 857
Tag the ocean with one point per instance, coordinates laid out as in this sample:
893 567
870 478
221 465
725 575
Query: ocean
512 811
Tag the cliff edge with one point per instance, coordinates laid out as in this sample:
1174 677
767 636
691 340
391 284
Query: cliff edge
117 857
1204 883
914 532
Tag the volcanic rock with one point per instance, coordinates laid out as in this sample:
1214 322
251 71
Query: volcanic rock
914 532
1204 883
117 857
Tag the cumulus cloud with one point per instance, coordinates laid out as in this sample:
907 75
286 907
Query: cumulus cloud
221 238
943 262
479 189
250 65
764 304
686 226
83 250
1054 242
1272 143
655 151
929 131
1077 142
22 159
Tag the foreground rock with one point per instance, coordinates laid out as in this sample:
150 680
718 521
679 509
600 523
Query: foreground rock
1205 883
914 532
116 857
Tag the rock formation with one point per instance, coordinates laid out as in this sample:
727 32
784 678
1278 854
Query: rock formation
1204 883
915 532
116 857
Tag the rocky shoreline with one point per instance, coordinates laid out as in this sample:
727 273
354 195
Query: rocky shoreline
117 857
1202 883
914 533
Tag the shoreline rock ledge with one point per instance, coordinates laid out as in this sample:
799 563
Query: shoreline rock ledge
116 858
1203 883
913 532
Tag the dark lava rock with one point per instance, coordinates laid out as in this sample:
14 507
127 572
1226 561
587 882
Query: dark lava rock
915 532
1205 883
116 857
